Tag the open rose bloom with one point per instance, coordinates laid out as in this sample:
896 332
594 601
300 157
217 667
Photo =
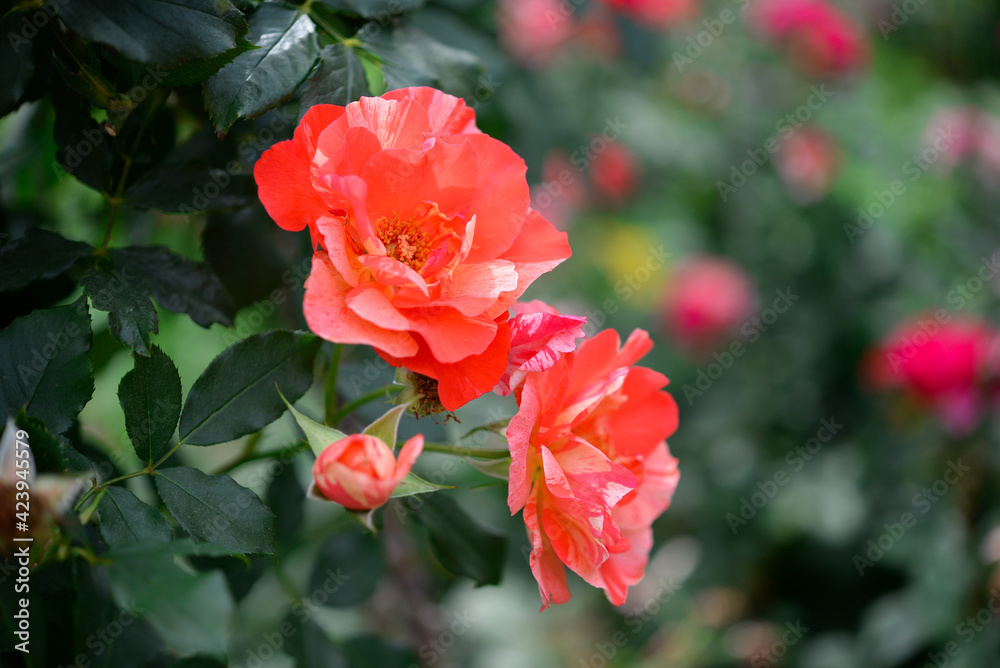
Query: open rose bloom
423 233
950 367
590 466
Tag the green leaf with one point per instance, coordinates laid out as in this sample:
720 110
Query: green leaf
373 9
44 366
95 612
190 612
236 395
412 58
191 187
461 545
339 78
348 568
495 468
386 427
230 237
215 509
131 316
53 452
18 58
195 71
176 283
157 32
84 149
150 396
310 646
261 79
38 254
125 519
285 497
319 435
414 484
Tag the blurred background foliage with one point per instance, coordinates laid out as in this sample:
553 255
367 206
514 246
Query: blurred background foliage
658 145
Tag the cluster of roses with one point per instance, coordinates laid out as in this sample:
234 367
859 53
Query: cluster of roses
424 239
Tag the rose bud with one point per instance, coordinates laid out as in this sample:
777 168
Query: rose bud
359 472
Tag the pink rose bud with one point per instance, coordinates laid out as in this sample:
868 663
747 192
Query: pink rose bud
707 299
359 472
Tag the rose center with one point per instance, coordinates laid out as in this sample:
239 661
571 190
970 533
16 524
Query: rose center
405 240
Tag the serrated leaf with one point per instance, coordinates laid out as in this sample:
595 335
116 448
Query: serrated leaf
157 32
461 545
189 611
176 283
38 254
131 316
44 366
190 188
236 393
339 78
216 509
411 57
195 71
150 396
261 79
53 453
17 55
125 519
319 435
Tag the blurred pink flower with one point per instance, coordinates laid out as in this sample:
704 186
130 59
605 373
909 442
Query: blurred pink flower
615 172
561 193
658 14
966 135
808 162
706 299
820 38
534 31
941 362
